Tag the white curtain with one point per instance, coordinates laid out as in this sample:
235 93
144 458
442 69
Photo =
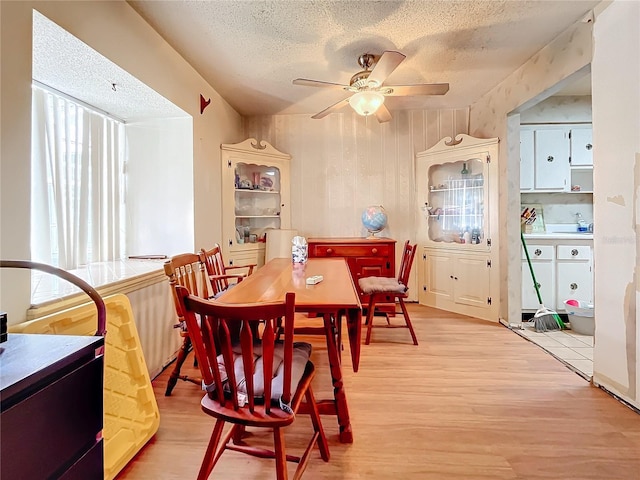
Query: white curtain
77 200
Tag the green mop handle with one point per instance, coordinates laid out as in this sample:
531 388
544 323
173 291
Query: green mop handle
533 275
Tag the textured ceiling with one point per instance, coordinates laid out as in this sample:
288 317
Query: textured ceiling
250 51
64 63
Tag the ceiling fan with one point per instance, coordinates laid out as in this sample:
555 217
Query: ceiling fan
368 86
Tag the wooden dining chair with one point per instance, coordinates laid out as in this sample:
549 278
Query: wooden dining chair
221 275
185 270
265 387
381 288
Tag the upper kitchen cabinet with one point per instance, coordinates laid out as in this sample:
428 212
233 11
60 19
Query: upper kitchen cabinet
556 158
581 146
255 198
457 191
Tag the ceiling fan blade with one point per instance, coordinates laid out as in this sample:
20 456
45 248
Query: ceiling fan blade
317 83
383 114
332 108
386 64
420 89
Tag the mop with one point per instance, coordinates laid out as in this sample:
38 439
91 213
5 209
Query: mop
544 319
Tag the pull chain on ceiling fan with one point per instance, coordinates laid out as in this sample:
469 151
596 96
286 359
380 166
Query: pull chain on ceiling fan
368 87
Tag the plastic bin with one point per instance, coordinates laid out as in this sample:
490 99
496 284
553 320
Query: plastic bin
580 316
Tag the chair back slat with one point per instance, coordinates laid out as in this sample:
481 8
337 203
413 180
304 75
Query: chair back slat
246 344
218 322
214 265
408 252
268 341
184 270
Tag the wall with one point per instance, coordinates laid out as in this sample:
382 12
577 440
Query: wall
616 127
116 31
497 114
160 186
344 162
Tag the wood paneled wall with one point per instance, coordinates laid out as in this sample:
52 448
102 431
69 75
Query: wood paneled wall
344 162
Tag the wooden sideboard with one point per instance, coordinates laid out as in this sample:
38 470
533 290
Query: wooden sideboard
51 413
366 257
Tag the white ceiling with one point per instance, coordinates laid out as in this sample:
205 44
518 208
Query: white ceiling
250 51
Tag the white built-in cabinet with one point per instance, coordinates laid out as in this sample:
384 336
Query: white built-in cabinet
255 198
563 270
556 158
457 192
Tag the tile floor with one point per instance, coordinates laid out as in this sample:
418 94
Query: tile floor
571 348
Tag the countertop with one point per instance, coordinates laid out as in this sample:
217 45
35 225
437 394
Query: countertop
558 236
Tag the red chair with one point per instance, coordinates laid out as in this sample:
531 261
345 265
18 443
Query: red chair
219 273
185 270
381 288
270 395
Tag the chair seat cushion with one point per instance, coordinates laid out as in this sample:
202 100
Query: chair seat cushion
301 354
370 285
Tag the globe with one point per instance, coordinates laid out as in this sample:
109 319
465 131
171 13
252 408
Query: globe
374 219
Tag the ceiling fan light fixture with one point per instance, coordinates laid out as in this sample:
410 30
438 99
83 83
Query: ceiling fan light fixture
366 103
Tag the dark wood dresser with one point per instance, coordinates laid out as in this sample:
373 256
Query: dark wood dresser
366 257
51 408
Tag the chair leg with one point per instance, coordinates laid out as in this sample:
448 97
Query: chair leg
281 456
210 456
408 322
175 374
370 312
323 446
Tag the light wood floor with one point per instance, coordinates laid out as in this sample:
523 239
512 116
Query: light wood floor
472 401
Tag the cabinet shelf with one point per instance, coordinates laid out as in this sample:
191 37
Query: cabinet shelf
249 190
457 215
455 189
257 216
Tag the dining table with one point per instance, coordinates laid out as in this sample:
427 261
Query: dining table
329 300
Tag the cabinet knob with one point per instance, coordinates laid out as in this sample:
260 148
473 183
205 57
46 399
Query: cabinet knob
589 146
329 251
574 252
550 158
573 286
374 250
537 252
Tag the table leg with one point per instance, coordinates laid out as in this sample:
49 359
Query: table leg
342 410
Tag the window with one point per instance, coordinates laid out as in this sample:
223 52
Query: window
78 183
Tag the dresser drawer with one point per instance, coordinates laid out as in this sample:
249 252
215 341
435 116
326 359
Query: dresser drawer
53 425
574 252
338 250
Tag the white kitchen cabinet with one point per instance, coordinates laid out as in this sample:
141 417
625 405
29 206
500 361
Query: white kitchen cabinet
556 158
551 159
581 146
458 198
563 269
526 160
574 274
543 264
255 198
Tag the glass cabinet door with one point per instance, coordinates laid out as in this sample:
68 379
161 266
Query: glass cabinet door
257 200
456 206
